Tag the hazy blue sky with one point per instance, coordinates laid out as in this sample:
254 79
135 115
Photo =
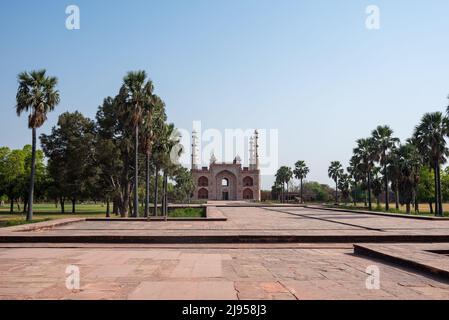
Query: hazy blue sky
308 68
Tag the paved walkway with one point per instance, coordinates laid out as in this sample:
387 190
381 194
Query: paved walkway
220 271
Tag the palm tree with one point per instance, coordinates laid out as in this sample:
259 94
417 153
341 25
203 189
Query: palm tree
160 156
301 171
344 184
172 151
335 172
356 175
429 137
394 173
385 142
153 115
37 95
283 176
137 93
366 155
409 163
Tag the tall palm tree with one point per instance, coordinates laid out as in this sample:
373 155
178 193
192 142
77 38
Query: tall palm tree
355 172
429 137
335 172
153 115
385 142
366 155
301 171
409 163
172 151
137 92
38 96
283 176
164 131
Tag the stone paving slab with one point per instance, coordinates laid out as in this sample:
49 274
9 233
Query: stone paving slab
129 273
423 258
297 269
251 224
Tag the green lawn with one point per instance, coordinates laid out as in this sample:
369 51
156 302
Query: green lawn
45 212
188 213
424 209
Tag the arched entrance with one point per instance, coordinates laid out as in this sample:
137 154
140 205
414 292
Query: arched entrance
226 186
248 194
203 194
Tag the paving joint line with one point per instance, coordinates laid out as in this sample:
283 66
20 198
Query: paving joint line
322 219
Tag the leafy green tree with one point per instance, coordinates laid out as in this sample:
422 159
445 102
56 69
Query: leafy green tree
12 170
426 187
429 137
385 143
36 95
301 171
316 192
335 172
184 184
114 148
70 149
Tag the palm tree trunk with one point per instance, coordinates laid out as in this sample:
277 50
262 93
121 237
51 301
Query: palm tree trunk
61 201
136 173
163 194
73 205
302 198
336 191
370 205
156 183
407 206
387 195
416 202
147 185
33 171
437 202
164 206
11 208
108 213
396 195
440 196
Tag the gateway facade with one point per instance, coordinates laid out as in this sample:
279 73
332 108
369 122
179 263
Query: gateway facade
227 181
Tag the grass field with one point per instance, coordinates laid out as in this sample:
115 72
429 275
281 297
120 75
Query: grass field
424 208
45 212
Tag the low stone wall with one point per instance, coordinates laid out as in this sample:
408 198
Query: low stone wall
45 225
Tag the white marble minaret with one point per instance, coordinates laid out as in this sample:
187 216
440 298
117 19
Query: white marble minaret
256 147
194 151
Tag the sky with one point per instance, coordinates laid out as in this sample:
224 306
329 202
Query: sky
311 70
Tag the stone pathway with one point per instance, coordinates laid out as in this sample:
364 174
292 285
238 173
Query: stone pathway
133 273
220 271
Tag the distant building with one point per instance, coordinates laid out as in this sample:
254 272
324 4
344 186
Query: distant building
227 181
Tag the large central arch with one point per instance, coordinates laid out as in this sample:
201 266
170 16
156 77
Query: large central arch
226 185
